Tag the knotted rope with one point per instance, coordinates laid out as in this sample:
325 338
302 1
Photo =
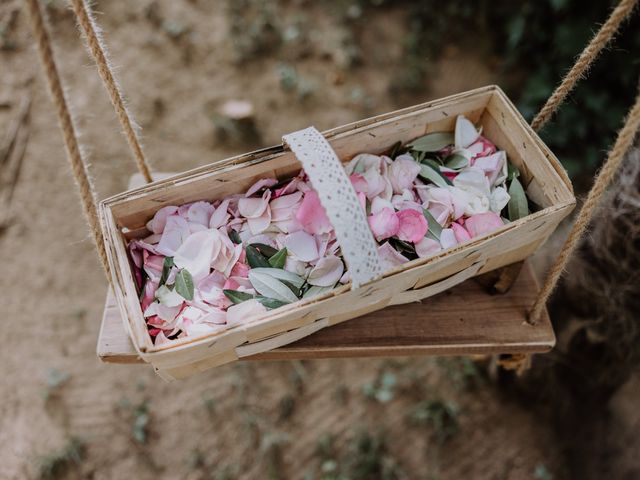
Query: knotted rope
605 176
74 152
584 61
95 46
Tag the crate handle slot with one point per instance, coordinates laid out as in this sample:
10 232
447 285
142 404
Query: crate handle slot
437 287
340 202
281 339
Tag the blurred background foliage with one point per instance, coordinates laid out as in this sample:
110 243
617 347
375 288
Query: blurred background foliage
535 42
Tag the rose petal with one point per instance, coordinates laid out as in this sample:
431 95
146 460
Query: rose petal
221 215
390 257
254 207
427 247
311 214
245 312
465 133
413 226
175 232
384 224
402 172
483 223
327 272
302 245
200 213
448 238
460 233
499 199
196 252
259 185
159 220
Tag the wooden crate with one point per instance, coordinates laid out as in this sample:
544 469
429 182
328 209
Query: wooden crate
124 216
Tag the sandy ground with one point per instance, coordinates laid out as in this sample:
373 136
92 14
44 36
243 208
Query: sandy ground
232 420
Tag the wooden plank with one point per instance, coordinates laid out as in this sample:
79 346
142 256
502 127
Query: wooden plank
463 320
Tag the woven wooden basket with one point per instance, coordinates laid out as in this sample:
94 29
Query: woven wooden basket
124 216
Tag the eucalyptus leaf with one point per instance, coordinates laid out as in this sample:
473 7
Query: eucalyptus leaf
434 226
234 236
395 150
279 259
456 161
432 142
314 291
166 270
517 205
282 275
265 250
270 303
432 163
429 173
512 171
255 259
184 284
236 296
271 287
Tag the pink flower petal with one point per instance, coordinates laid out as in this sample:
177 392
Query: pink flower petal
460 233
302 245
390 257
196 252
491 165
327 272
159 220
245 312
311 214
175 232
254 207
384 224
427 247
259 185
413 226
200 213
221 215
358 182
448 238
481 148
402 172
286 201
483 223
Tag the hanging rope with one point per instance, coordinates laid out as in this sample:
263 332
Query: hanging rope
584 61
603 179
95 46
74 153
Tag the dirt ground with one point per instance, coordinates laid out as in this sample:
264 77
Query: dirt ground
177 64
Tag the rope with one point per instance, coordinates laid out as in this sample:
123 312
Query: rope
74 153
603 179
586 58
97 50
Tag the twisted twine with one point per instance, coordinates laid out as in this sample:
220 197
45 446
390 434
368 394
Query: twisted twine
604 177
74 153
584 61
97 50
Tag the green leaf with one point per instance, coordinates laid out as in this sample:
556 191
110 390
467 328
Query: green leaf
265 250
278 259
236 296
166 269
517 205
433 175
184 284
270 287
235 236
296 280
314 291
255 259
456 161
434 227
395 150
432 142
270 303
512 171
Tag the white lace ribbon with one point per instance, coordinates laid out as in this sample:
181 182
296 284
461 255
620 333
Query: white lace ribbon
339 200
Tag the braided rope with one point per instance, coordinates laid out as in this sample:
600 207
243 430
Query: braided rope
605 176
584 61
97 50
74 152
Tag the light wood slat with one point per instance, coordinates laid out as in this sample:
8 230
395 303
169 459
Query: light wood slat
462 320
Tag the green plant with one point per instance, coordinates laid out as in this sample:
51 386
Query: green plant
439 414
383 388
56 464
